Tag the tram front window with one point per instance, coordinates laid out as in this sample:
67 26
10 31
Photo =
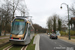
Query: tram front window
18 28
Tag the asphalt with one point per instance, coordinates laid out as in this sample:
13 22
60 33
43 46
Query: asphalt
46 43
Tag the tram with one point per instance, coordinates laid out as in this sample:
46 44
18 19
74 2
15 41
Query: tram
22 31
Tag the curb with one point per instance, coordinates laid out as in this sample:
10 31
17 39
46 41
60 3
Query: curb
36 42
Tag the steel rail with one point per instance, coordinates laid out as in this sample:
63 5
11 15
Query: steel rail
8 47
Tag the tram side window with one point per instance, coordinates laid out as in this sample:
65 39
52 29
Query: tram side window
28 31
26 28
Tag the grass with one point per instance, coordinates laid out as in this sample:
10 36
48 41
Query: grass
35 34
4 36
16 47
1 48
4 40
31 46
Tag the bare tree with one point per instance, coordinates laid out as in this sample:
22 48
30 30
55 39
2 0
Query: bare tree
49 24
15 6
72 10
23 9
52 23
8 9
59 24
6 13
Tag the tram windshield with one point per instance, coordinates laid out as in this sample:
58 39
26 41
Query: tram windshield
18 27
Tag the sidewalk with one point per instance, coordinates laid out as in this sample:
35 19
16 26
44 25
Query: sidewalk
66 39
4 37
36 42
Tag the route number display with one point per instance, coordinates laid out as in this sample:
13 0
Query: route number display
19 20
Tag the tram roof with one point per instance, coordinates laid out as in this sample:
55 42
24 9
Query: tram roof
23 17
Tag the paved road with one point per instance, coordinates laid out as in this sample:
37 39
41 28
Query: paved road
54 44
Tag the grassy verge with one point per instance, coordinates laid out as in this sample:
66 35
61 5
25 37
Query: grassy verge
2 41
1 48
35 34
31 46
16 47
4 36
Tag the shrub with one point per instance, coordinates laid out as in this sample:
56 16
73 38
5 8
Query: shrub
72 33
63 33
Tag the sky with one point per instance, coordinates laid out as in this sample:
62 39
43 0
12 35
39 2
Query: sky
40 10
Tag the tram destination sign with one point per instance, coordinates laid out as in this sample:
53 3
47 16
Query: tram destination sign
19 20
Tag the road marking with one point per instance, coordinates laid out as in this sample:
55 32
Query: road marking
60 45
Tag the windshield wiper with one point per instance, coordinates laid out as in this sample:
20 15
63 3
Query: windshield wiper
19 31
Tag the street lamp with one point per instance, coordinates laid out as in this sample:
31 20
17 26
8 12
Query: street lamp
68 17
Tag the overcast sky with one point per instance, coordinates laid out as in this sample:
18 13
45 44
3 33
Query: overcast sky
40 10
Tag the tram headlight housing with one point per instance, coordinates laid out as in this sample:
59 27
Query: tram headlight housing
19 38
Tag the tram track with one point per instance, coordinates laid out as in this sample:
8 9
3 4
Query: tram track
18 47
8 47
24 48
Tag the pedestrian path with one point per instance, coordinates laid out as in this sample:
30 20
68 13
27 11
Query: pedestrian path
67 40
3 37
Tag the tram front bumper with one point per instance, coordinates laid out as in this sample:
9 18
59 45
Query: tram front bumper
14 41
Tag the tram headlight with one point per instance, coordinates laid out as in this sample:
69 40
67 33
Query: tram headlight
19 38
11 38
